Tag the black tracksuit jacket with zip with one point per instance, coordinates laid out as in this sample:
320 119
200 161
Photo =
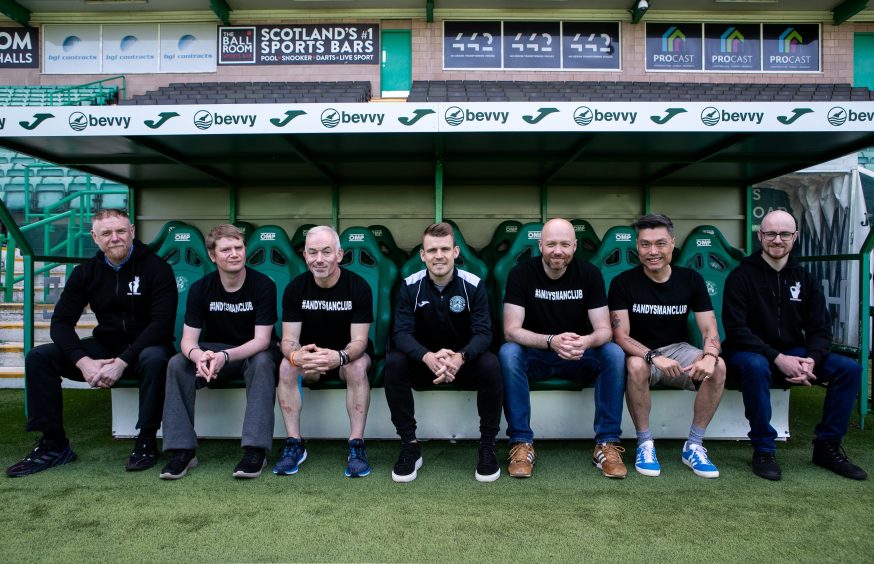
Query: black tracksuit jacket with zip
769 312
457 318
135 307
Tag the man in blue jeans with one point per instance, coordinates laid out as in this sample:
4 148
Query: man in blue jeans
778 331
557 325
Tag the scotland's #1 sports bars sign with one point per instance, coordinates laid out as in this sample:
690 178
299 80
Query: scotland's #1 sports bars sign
311 44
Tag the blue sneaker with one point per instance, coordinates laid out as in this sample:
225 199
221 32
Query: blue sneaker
357 465
695 457
646 462
293 455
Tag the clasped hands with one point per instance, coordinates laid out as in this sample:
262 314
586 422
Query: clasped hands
101 372
444 363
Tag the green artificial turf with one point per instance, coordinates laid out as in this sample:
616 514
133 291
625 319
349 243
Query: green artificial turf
92 510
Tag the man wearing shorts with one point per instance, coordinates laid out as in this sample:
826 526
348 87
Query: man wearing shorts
326 317
649 307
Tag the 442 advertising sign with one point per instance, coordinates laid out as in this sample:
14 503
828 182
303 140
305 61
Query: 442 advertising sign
310 44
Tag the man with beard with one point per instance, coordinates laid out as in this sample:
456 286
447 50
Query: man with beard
778 331
557 325
132 292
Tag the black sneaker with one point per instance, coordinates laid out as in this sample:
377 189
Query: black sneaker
831 455
253 462
765 465
42 457
409 462
144 456
487 470
181 461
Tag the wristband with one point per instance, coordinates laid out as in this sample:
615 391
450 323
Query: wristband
291 359
549 342
707 353
227 356
651 355
191 350
344 357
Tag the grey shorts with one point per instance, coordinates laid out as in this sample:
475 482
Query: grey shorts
685 354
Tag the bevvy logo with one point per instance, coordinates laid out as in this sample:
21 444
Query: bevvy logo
205 119
710 116
78 121
838 116
455 116
584 115
332 118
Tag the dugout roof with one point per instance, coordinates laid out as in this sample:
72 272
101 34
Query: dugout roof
409 144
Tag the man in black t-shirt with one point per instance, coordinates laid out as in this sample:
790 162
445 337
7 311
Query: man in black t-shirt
228 333
557 325
326 317
649 307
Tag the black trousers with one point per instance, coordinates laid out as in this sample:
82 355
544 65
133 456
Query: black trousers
483 375
45 365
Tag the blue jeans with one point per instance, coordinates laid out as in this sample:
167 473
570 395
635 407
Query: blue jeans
604 365
841 374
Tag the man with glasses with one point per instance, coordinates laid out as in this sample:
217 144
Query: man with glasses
649 306
778 332
132 292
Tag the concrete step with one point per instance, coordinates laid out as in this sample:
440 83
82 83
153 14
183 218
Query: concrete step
13 331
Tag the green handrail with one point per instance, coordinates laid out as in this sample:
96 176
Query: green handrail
863 353
100 83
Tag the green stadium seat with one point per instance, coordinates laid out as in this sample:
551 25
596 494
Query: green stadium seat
387 244
165 230
114 201
49 192
617 253
185 251
15 196
707 251
298 239
503 237
587 240
269 252
524 246
736 253
247 229
363 256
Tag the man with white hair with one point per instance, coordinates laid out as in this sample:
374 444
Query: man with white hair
326 317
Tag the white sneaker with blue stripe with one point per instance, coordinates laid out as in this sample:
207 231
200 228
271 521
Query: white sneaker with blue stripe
646 462
695 457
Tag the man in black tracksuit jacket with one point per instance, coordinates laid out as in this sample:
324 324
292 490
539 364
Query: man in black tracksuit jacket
441 335
778 331
132 292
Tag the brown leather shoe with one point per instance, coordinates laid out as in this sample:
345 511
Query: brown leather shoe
521 460
608 457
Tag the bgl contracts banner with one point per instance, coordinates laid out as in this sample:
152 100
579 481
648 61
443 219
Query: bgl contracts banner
311 44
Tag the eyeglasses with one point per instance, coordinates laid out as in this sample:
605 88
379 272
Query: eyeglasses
771 235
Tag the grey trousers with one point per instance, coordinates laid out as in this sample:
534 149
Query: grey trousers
258 371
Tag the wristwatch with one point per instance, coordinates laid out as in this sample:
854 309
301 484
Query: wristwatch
651 355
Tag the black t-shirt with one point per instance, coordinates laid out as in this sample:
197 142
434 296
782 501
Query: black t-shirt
556 306
230 317
658 312
326 314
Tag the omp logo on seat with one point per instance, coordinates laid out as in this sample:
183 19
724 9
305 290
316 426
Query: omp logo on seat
512 229
703 242
356 237
182 237
534 235
268 236
623 237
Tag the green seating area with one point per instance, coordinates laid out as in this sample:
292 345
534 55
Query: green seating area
30 186
54 95
373 256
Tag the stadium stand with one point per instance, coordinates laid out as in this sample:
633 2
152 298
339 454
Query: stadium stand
254 93
57 95
510 91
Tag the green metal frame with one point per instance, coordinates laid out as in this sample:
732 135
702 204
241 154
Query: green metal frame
636 12
67 89
847 10
16 12
221 10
